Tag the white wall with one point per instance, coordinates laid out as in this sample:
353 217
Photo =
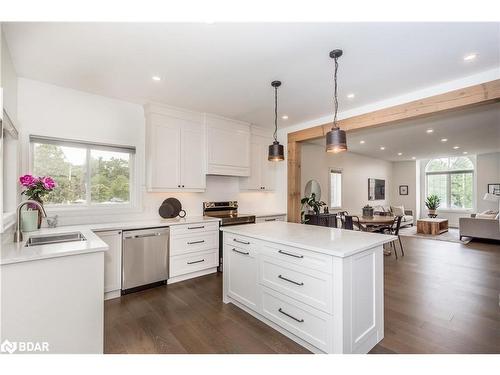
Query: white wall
8 81
64 113
488 172
404 173
356 170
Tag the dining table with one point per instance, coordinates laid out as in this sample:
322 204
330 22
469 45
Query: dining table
372 223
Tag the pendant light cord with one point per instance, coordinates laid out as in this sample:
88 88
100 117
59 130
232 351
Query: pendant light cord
275 114
335 98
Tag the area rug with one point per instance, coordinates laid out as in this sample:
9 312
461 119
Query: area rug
451 236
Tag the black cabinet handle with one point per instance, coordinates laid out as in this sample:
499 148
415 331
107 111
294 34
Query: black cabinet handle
290 281
195 242
196 261
289 254
239 241
290 316
240 252
200 227
182 185
270 219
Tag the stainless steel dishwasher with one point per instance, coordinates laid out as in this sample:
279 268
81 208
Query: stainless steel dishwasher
144 259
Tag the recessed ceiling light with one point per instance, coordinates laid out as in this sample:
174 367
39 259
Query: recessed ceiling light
456 147
429 131
382 148
470 57
156 78
400 153
284 117
362 142
350 96
413 158
465 152
444 139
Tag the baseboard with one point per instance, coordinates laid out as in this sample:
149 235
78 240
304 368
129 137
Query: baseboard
191 275
112 294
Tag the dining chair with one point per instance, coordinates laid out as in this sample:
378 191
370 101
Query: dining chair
351 222
394 230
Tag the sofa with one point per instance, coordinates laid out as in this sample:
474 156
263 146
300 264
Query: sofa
477 227
407 219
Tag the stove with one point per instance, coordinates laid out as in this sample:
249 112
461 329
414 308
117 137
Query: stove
228 213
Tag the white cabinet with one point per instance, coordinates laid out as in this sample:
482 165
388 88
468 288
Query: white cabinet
262 171
112 263
175 150
228 146
242 274
194 250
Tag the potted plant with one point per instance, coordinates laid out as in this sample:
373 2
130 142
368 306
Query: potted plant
312 203
432 203
36 189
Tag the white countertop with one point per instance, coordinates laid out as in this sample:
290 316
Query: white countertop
12 252
331 241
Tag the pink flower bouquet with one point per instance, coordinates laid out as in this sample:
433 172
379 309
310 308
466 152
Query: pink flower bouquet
37 187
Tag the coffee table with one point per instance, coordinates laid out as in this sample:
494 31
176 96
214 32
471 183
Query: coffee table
432 226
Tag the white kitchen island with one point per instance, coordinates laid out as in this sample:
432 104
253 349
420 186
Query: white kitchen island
321 287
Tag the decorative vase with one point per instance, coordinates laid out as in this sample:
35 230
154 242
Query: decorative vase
35 208
367 211
29 220
432 213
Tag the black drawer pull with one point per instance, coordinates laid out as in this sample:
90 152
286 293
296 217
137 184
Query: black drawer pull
239 241
270 219
290 281
290 316
195 242
196 261
240 252
289 254
200 227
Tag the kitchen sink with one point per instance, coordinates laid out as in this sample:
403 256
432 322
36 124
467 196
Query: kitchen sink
54 238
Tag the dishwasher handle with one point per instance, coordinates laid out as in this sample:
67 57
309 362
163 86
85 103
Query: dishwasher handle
156 234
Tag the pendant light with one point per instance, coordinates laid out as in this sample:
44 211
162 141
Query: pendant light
336 140
276 151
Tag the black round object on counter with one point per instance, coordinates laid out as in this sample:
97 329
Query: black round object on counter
175 204
166 211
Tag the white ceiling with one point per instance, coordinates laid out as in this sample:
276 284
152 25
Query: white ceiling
227 68
475 131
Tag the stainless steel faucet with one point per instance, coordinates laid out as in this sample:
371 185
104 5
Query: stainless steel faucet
18 235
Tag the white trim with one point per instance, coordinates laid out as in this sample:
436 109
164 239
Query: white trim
337 170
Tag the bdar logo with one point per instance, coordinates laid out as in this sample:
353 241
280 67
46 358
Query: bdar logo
8 347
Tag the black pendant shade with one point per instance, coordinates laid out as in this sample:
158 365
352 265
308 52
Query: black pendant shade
276 151
336 140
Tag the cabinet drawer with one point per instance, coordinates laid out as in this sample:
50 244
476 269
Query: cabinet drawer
183 244
193 228
183 264
308 286
309 324
266 219
239 241
300 257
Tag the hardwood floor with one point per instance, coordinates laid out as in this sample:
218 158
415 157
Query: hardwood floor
441 297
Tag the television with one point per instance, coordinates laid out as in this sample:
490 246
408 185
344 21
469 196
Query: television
376 189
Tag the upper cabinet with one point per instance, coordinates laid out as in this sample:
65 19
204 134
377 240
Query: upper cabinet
262 171
175 150
228 146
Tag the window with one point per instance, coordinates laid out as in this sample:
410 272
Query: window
335 188
86 173
452 180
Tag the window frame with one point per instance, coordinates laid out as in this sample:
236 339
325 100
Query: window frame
92 208
448 173
330 171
